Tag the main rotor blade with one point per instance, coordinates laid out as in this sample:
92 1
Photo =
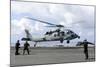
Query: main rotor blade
51 26
41 21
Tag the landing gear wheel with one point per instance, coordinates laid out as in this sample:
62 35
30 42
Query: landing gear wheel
68 41
61 40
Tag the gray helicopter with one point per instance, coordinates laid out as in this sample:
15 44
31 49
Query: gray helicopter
55 35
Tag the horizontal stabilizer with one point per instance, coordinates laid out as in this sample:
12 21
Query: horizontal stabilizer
26 39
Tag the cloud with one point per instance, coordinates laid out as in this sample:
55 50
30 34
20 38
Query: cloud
15 28
21 24
18 26
80 19
21 7
72 15
69 17
39 26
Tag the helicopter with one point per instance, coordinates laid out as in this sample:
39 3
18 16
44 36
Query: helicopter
55 35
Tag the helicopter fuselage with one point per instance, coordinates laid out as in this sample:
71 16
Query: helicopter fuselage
55 36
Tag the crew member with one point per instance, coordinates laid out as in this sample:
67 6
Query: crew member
17 48
26 48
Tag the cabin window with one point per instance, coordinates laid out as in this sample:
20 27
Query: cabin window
63 33
55 35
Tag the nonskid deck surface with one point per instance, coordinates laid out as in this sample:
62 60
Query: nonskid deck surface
50 55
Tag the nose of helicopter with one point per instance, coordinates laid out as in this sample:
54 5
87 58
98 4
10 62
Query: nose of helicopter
77 36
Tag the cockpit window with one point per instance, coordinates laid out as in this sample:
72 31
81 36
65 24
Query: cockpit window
69 32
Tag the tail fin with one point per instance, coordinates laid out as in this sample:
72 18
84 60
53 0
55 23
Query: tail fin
28 36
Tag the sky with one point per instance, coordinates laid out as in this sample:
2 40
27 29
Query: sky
78 18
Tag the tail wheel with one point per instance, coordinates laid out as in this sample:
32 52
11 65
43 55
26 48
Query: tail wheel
35 44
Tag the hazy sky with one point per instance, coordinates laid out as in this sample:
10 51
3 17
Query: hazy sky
80 19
